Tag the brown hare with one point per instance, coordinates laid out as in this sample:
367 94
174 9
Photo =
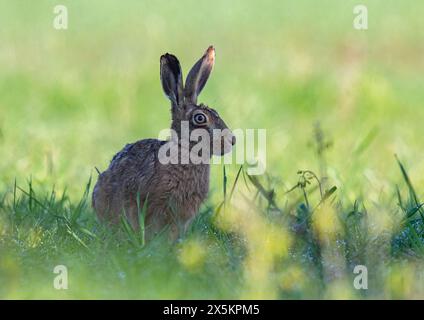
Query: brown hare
174 191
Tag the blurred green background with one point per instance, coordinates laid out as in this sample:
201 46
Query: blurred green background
70 99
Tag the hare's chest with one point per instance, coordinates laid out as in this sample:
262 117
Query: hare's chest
184 186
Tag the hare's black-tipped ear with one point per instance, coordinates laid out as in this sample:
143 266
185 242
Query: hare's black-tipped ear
198 75
171 78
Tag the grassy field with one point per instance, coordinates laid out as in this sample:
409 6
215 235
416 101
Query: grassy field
343 103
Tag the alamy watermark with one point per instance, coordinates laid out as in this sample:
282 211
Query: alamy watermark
360 21
60 282
200 145
361 280
60 21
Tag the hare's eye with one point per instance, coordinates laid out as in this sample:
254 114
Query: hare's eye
199 118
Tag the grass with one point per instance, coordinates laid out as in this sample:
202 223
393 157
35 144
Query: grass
304 250
344 181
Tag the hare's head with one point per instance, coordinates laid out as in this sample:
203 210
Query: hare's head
185 110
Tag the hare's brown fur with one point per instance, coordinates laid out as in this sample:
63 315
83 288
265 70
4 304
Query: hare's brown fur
174 192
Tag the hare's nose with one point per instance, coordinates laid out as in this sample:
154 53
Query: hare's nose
233 140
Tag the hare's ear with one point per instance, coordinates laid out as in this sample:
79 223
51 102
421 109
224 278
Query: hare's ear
198 75
171 78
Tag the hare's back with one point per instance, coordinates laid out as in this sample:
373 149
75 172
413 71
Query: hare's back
136 160
130 171
140 152
131 168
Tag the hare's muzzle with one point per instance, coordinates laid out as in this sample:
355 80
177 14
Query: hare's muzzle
228 140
